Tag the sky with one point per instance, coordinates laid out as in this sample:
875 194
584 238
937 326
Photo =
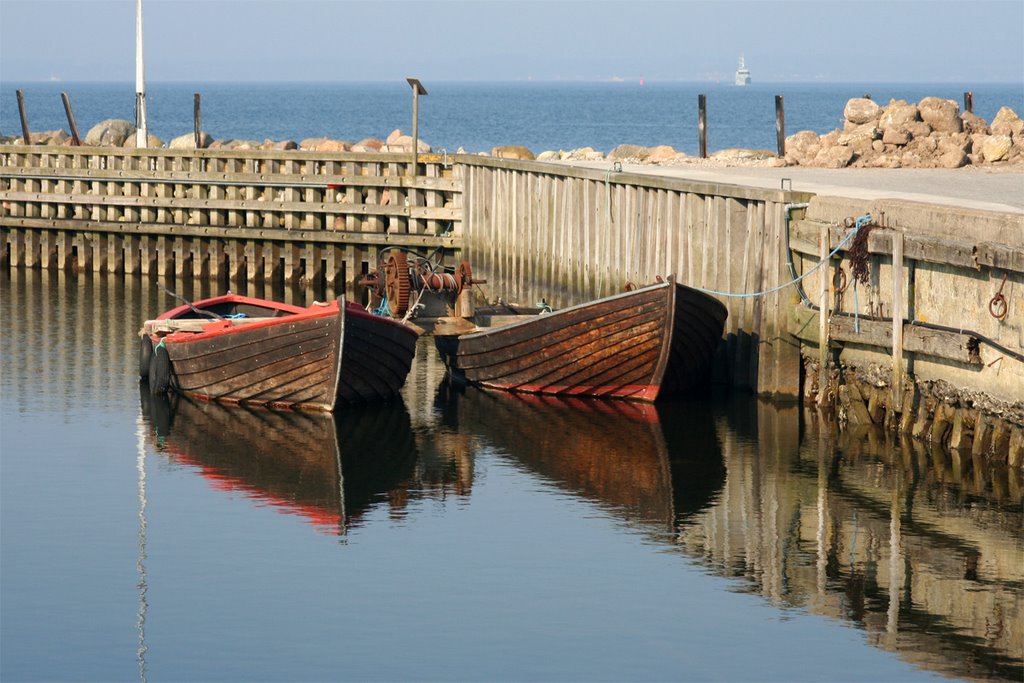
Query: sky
382 40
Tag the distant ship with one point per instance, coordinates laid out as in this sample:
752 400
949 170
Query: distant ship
742 73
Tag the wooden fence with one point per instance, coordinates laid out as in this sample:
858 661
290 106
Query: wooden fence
247 215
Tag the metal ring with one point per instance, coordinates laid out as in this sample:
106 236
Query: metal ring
998 307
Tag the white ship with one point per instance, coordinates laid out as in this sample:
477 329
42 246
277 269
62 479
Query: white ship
742 73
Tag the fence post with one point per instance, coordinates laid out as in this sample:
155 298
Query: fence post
24 118
780 126
71 119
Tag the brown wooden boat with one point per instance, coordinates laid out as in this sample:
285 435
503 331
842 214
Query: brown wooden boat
277 355
642 344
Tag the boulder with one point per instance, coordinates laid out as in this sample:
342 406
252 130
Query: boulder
311 144
952 159
740 154
548 156
895 136
188 141
861 110
942 115
802 147
624 152
512 152
152 142
996 148
836 156
109 133
334 146
662 153
403 143
371 143
974 123
1006 122
861 137
918 129
393 137
898 114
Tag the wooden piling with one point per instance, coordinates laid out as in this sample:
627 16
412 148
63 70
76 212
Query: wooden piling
197 119
702 124
897 319
71 119
969 101
780 126
26 136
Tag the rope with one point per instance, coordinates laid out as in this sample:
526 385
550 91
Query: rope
861 222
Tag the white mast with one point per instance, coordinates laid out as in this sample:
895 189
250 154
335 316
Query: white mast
141 133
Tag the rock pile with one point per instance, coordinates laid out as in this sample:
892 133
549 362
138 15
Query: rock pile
930 134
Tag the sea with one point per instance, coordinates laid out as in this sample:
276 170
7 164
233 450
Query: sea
462 535
475 117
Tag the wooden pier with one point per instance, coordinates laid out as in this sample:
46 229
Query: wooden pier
951 277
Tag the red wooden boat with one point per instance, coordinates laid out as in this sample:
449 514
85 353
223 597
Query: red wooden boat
639 345
237 349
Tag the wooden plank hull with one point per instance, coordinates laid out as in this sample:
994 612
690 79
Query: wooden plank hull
318 358
639 345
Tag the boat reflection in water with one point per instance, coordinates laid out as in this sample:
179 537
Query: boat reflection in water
328 469
649 464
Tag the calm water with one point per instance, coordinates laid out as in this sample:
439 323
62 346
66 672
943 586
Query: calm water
478 116
460 535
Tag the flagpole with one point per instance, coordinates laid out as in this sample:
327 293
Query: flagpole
141 132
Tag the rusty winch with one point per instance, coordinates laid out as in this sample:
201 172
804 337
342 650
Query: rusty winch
403 279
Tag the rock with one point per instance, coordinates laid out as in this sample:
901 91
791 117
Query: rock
334 146
624 152
548 156
403 143
109 133
995 148
861 137
897 114
895 136
942 115
918 129
802 147
311 144
188 141
152 142
1006 122
392 138
837 156
952 159
54 138
974 123
743 154
861 110
279 146
512 152
661 154
372 143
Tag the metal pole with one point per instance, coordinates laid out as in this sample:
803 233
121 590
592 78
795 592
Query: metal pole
969 101
25 137
415 130
702 124
780 126
71 119
141 129
197 116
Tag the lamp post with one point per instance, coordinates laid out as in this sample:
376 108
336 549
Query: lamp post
417 90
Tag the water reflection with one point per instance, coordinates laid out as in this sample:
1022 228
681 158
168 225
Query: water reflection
647 464
920 548
328 470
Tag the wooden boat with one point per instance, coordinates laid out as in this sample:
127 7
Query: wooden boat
639 345
236 349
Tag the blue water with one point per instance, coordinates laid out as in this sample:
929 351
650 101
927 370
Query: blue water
479 116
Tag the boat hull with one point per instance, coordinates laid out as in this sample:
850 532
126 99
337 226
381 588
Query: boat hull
318 358
639 345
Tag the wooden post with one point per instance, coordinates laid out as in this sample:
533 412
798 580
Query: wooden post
198 120
897 320
702 124
71 119
417 90
969 101
780 126
26 138
824 300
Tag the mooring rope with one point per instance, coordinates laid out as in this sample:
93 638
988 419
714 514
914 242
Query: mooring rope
861 222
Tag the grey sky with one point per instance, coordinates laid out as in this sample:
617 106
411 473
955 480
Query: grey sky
350 40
